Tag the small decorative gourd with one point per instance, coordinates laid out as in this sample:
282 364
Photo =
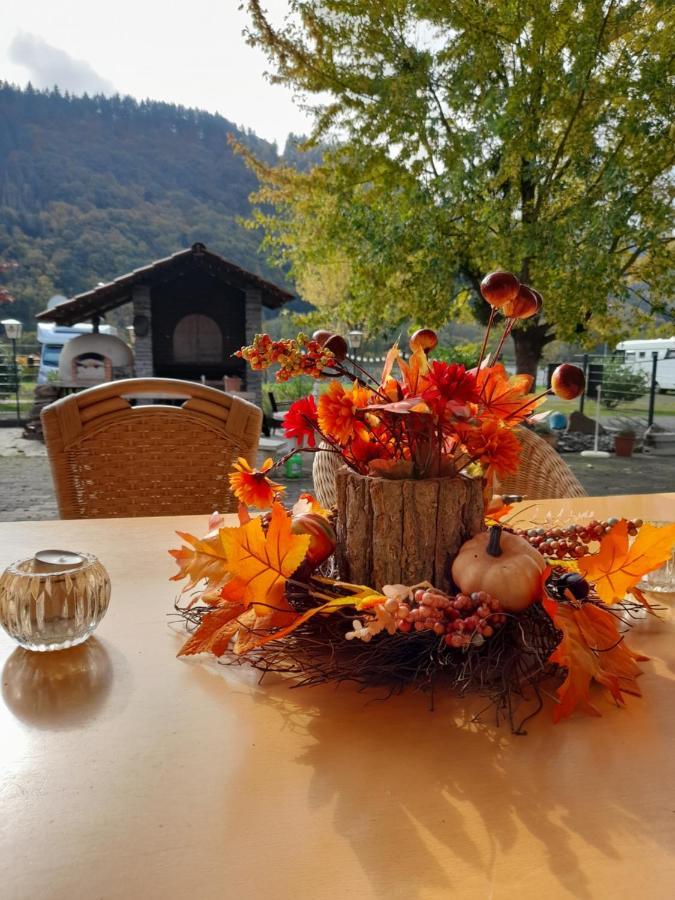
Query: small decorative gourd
321 533
502 564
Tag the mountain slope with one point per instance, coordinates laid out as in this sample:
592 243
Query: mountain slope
93 187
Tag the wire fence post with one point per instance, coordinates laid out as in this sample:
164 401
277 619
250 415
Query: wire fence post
583 393
652 390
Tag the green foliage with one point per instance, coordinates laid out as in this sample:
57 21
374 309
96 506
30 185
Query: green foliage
531 136
93 187
286 391
621 384
464 354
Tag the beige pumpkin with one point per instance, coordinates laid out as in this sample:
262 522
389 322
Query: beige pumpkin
502 564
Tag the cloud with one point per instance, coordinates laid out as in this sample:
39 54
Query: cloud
48 66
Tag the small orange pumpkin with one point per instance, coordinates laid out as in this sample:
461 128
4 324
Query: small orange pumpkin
322 538
504 565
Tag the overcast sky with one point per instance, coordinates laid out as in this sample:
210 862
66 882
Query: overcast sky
188 53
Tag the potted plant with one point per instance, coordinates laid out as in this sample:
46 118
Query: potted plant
624 442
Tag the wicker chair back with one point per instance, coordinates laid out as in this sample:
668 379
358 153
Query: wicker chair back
110 458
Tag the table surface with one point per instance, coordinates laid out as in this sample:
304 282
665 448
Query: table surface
125 772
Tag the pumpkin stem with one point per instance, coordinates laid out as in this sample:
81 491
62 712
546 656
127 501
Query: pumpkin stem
494 547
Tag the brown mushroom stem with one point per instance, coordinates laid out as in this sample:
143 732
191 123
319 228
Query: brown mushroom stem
494 546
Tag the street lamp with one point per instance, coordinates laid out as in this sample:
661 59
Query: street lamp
14 330
355 339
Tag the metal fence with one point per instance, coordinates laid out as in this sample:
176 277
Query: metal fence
19 368
637 393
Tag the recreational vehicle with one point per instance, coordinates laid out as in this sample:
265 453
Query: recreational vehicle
638 355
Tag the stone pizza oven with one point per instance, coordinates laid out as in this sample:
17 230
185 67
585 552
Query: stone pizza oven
191 312
93 359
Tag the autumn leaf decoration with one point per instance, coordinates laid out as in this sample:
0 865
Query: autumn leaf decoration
261 563
258 565
617 567
592 650
506 398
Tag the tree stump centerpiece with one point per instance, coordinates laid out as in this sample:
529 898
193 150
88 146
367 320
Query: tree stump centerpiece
415 451
404 531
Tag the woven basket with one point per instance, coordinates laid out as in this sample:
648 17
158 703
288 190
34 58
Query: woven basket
542 473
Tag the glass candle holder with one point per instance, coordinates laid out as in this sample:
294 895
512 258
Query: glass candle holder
54 599
661 580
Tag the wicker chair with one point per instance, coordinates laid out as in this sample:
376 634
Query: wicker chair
542 473
110 459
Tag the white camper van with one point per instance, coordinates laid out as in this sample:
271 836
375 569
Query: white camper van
52 338
638 355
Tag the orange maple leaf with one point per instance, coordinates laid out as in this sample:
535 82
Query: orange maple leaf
592 650
414 372
504 397
215 631
202 559
616 567
261 563
218 630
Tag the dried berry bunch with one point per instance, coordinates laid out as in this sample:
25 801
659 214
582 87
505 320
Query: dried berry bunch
294 356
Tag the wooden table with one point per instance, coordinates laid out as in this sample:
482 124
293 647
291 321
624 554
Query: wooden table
127 773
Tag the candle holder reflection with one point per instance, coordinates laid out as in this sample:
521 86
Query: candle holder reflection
57 689
53 600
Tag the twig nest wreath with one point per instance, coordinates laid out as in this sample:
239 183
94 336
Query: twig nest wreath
503 565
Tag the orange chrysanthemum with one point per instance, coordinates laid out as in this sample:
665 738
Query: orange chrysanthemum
494 445
338 411
252 486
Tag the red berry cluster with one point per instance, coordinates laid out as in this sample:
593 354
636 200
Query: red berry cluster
462 620
299 356
571 541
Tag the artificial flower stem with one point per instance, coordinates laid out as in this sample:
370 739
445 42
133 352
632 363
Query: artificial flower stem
507 331
493 312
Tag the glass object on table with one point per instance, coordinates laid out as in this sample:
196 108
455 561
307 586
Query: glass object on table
661 580
54 599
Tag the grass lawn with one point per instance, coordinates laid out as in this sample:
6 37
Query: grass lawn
664 405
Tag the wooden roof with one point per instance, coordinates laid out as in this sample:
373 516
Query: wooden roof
109 296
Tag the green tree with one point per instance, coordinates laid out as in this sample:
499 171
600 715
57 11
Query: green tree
532 135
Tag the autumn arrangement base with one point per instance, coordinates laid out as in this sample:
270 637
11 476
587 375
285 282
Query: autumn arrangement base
264 604
510 671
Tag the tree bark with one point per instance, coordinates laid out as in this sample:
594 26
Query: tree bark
404 532
529 343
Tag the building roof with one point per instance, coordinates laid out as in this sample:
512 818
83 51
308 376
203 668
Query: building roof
109 296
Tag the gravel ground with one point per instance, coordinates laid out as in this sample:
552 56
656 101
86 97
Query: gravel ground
26 486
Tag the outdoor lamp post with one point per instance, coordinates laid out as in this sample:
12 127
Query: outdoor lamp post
355 339
14 330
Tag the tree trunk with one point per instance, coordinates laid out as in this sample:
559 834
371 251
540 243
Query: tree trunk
404 532
529 343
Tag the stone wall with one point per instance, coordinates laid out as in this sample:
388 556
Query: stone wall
143 361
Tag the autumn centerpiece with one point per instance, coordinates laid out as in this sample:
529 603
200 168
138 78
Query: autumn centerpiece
407 583
415 449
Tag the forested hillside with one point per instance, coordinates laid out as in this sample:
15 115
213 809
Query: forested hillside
91 187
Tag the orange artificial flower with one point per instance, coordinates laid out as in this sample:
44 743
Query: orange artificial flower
494 445
506 397
252 486
338 411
